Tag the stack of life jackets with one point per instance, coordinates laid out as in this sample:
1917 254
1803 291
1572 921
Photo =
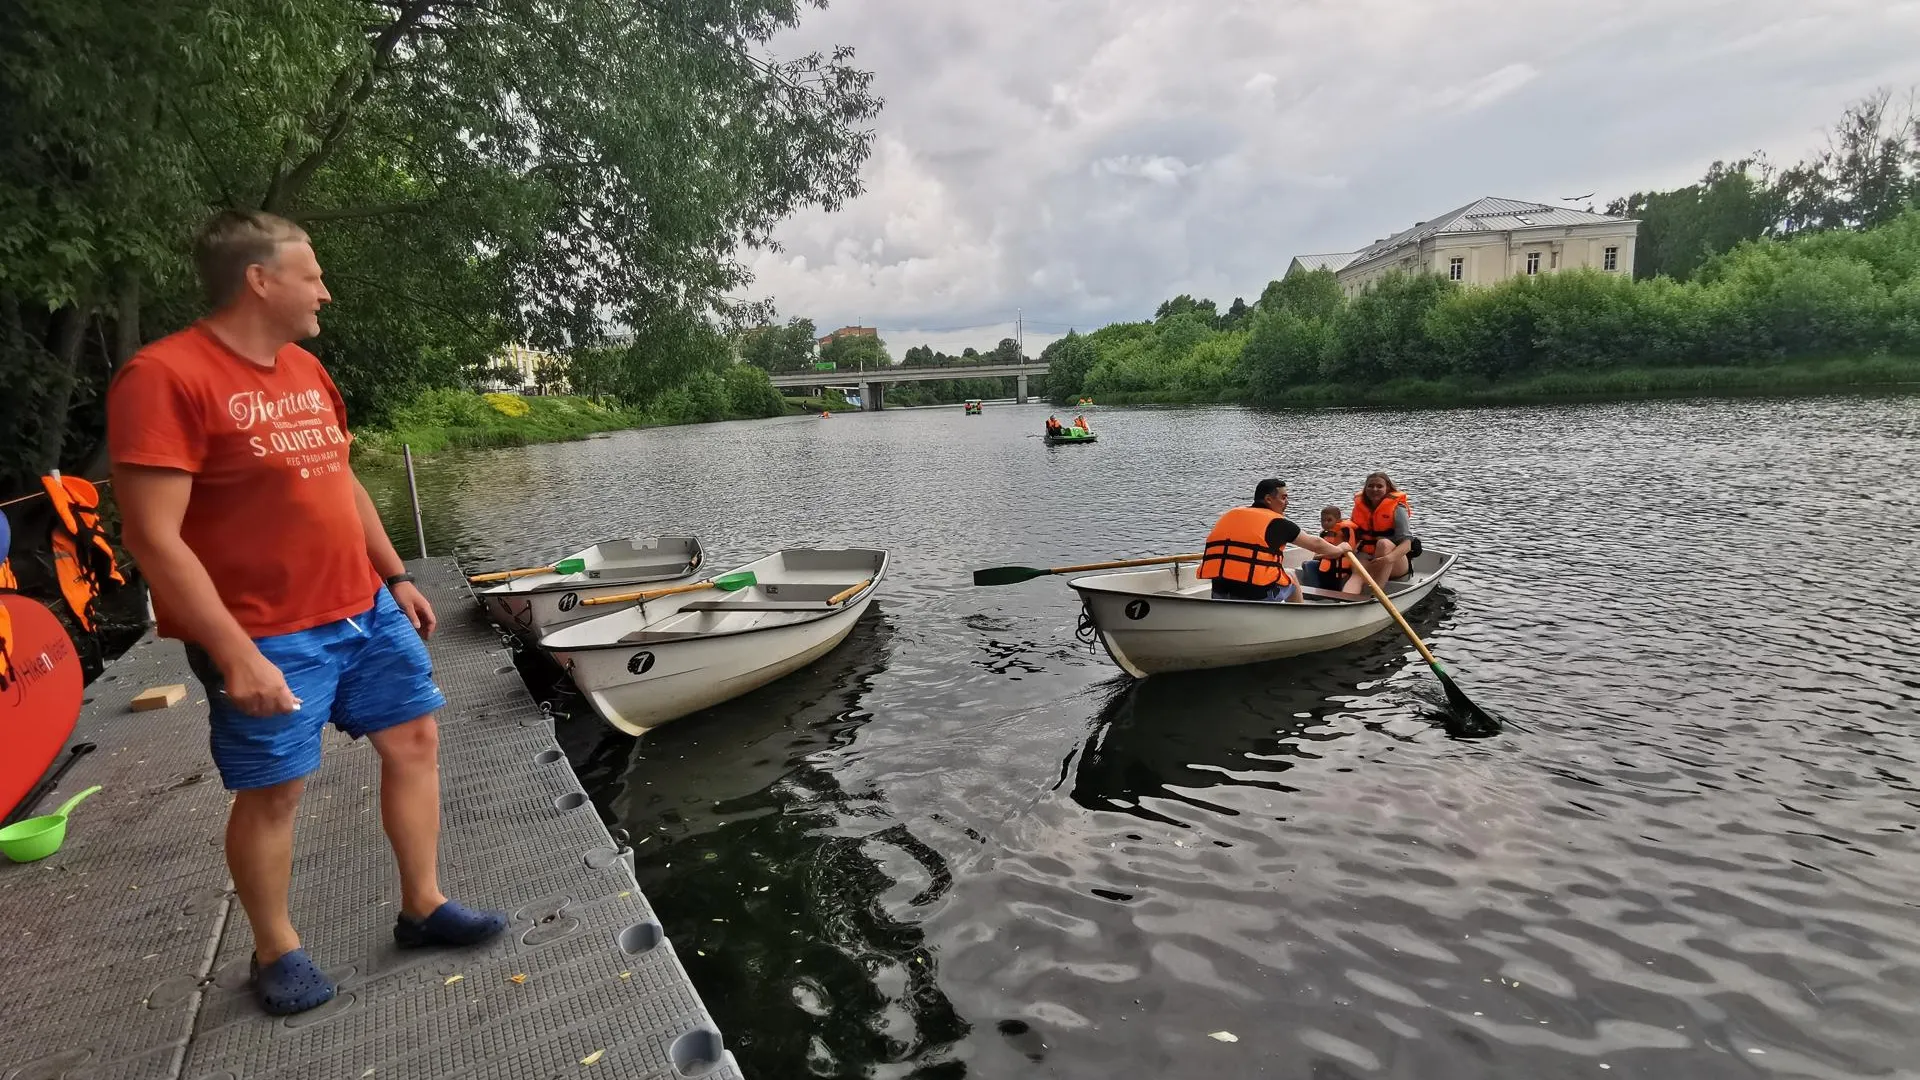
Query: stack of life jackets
82 554
1237 549
7 581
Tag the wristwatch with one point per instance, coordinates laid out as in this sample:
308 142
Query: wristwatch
397 579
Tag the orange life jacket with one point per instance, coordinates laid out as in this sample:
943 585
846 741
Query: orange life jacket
7 580
1337 569
1375 523
82 554
1237 549
7 674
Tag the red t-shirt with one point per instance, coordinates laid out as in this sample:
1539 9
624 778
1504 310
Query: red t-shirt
273 515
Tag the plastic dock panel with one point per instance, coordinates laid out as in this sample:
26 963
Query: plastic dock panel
125 954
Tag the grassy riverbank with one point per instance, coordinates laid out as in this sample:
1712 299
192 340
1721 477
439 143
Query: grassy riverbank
1621 384
455 419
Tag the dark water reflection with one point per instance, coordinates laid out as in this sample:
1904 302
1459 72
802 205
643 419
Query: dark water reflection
963 845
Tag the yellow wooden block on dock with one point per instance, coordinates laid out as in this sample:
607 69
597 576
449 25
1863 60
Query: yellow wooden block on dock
158 697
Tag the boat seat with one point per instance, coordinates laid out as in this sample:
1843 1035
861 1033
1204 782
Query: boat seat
1332 594
756 605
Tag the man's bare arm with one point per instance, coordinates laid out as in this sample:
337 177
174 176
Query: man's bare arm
1318 546
380 549
153 503
387 561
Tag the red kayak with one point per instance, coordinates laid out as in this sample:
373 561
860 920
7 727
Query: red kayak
40 685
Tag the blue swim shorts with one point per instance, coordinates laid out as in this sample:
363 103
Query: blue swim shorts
365 674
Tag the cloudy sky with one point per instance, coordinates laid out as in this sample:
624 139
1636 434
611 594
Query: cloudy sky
1082 160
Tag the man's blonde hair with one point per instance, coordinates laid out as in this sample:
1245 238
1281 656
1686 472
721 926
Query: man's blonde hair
233 240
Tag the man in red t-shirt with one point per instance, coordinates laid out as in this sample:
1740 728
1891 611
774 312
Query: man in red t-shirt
266 557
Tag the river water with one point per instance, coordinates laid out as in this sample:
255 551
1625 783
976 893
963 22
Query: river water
963 844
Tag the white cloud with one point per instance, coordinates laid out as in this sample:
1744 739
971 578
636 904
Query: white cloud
1084 162
1487 89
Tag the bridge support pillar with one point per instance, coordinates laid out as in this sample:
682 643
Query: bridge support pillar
1020 390
870 396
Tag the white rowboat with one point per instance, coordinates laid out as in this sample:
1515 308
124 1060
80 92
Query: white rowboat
659 660
538 603
1164 619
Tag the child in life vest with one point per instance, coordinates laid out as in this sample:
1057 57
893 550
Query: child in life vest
1333 573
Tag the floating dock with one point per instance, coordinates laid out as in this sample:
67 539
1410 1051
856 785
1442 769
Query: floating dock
124 956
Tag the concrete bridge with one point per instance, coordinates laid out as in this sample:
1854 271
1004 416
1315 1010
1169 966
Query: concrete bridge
873 383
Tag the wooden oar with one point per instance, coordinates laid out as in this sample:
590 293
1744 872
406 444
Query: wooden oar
848 593
564 566
1476 721
725 583
1010 575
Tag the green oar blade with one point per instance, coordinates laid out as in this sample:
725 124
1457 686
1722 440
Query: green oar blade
1467 720
569 566
735 582
1006 575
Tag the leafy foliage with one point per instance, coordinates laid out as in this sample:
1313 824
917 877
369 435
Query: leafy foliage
472 172
779 349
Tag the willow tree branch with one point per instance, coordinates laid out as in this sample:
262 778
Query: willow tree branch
343 102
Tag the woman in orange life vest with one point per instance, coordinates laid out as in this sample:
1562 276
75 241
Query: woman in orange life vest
1380 520
1244 550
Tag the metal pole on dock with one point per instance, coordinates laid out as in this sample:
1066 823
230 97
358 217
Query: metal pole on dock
413 495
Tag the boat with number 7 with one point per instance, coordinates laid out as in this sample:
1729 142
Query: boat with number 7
648 662
1165 619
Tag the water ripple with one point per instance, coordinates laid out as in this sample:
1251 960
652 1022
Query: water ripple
962 845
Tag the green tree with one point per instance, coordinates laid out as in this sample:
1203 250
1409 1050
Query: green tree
1315 294
857 352
1867 174
1184 305
1235 317
1682 228
1382 333
779 349
1283 350
472 172
1068 360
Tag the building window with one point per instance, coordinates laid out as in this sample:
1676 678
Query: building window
1533 262
1610 259
1456 269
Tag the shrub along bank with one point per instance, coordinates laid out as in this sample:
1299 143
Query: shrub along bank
445 419
1822 310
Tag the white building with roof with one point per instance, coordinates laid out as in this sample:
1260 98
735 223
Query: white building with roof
1487 241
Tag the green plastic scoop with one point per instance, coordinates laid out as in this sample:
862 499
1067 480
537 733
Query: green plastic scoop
39 837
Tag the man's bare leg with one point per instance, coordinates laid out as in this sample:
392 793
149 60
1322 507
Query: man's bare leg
260 858
410 809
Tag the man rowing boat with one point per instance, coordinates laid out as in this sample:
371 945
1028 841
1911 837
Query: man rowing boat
1244 552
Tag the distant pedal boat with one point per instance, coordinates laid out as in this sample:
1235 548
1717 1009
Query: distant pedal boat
644 664
533 605
1164 619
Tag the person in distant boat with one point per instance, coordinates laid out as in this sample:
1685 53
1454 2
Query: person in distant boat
1382 532
1329 572
1244 552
